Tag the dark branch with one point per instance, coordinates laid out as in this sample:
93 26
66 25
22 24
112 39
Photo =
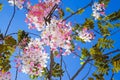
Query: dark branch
66 69
78 10
97 31
117 50
9 24
112 76
16 74
51 65
115 32
26 32
61 66
87 72
80 69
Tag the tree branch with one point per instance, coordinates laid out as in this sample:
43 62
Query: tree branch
26 32
112 76
78 10
9 24
117 50
115 32
66 69
80 69
51 65
16 74
87 72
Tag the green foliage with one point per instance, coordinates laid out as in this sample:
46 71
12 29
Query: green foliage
22 34
57 70
89 23
95 50
101 62
72 46
55 53
117 25
7 48
1 6
9 40
69 10
61 13
105 43
103 29
76 27
116 63
114 16
84 53
79 39
80 11
104 1
33 77
90 78
98 76
4 58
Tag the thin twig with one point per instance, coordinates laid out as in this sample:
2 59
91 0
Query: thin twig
47 19
80 69
66 69
51 65
9 24
109 53
16 74
26 32
97 32
117 50
115 32
61 66
78 10
87 72
112 76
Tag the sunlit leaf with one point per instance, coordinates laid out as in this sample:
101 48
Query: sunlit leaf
1 6
9 40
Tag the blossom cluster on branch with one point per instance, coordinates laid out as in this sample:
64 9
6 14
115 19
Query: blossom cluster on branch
34 58
86 35
5 75
98 9
37 13
57 34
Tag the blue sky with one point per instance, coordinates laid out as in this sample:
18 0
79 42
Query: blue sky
72 63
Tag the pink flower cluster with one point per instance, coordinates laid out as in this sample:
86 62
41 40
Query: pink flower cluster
18 3
5 75
98 9
37 13
23 42
57 34
34 58
86 35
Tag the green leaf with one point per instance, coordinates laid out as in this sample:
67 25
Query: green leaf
103 29
89 23
22 34
117 25
105 43
57 70
116 63
90 78
105 2
69 10
61 13
9 40
95 50
85 52
1 6
114 16
80 11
